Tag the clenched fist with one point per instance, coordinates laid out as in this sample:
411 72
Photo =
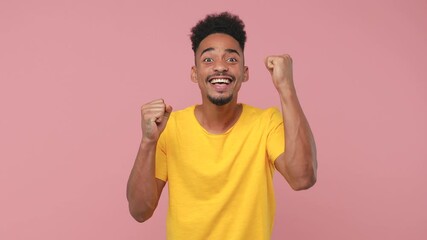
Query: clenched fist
280 68
154 116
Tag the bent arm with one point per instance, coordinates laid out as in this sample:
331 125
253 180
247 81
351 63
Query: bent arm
298 164
143 188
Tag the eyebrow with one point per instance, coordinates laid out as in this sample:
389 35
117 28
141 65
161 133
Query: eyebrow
228 50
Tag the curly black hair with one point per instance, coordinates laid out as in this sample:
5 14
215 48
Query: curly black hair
224 22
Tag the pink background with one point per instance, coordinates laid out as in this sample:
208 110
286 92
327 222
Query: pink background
74 74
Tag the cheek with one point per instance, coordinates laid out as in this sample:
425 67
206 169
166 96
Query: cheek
202 74
195 75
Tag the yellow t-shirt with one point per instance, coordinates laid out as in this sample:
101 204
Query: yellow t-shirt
220 185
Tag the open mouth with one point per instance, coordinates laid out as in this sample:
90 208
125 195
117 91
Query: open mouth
220 84
220 81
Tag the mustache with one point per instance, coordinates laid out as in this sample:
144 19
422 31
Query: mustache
220 75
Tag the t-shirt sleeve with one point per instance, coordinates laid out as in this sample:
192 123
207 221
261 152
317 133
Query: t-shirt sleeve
161 159
276 135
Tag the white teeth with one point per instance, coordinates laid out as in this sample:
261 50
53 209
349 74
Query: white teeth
220 80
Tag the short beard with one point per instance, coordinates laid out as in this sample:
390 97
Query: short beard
220 101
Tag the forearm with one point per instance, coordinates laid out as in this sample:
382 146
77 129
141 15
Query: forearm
299 158
142 192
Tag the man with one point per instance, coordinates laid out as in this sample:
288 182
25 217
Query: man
219 157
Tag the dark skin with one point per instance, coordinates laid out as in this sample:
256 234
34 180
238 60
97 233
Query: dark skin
219 71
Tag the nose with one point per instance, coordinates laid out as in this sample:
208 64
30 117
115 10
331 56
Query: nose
220 66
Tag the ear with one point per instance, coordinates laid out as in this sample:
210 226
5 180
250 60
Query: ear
194 74
246 74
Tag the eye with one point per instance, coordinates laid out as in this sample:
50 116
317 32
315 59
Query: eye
232 59
208 60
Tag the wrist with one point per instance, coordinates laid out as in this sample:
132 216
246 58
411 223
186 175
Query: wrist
146 142
286 90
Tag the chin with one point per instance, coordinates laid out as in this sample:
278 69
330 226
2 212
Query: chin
220 101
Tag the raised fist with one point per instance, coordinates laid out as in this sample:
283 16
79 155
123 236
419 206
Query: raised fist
154 116
280 68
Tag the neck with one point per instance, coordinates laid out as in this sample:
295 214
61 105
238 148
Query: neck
218 119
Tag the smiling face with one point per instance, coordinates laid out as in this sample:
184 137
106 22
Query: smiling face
219 69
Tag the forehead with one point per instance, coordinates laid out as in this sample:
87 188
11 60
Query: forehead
220 42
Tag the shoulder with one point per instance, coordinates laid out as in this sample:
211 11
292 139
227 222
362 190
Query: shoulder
268 113
187 112
182 118
264 120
